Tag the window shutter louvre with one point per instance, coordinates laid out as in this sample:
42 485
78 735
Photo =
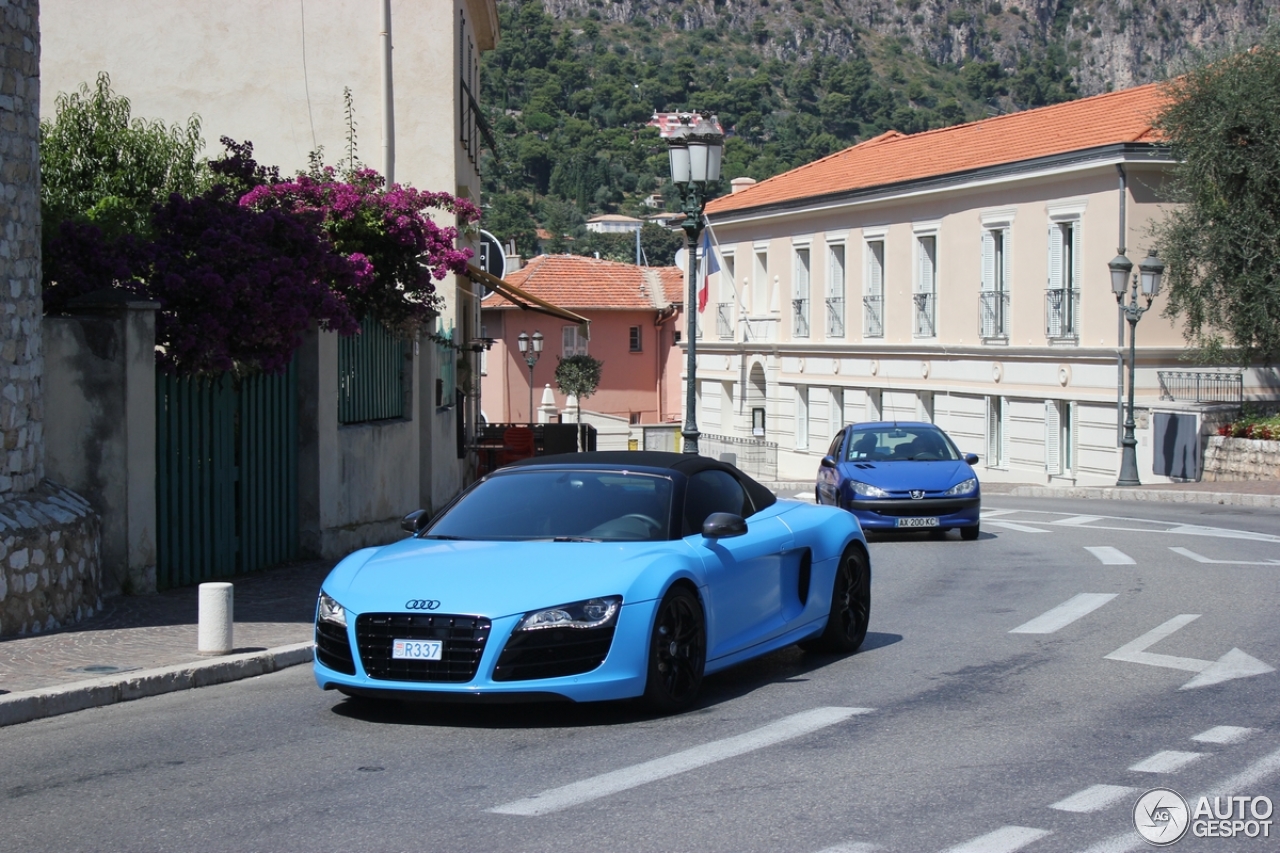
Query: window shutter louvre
993 433
1052 438
1004 431
988 260
1074 437
1006 277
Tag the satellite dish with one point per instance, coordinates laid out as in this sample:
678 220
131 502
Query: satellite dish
682 257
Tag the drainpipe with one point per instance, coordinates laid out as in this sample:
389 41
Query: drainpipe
388 100
663 317
1120 318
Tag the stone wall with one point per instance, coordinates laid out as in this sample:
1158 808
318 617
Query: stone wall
50 570
1234 459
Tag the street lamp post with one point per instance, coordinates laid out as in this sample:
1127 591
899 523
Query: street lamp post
531 349
1150 271
695 145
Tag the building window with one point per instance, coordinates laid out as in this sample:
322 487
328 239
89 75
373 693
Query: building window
635 339
1062 300
835 412
760 284
575 343
997 432
925 295
802 417
924 406
996 277
835 291
873 291
800 295
875 404
1060 433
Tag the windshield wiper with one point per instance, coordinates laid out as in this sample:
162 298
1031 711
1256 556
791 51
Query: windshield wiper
574 539
445 536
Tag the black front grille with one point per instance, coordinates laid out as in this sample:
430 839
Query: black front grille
463 636
553 652
333 649
898 507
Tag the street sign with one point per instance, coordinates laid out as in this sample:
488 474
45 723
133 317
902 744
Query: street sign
491 258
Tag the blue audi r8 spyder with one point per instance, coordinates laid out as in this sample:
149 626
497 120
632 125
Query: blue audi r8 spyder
901 475
592 576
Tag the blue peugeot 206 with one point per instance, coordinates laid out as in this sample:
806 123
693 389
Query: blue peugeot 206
901 475
592 576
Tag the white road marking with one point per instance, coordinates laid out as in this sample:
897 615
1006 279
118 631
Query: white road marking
1167 761
1094 799
796 725
1187 552
1154 526
851 847
1248 778
1109 556
992 513
1077 520
1013 525
1006 839
1234 664
1064 614
1224 734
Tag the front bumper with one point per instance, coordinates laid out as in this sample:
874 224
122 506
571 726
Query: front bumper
883 513
621 676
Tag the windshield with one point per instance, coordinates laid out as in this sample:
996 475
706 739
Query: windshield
900 444
538 503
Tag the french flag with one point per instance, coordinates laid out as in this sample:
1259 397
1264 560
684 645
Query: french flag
709 268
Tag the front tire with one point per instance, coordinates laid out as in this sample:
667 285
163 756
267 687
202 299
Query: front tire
677 653
969 534
850 606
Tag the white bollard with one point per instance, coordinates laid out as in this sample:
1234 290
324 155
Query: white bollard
216 618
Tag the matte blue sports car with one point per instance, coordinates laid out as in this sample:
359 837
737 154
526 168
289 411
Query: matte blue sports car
901 475
592 576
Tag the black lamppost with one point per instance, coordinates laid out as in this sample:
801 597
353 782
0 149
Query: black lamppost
1150 271
531 349
695 145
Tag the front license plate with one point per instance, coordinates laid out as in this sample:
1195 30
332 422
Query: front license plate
917 522
416 649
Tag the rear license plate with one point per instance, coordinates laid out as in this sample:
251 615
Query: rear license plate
917 522
416 649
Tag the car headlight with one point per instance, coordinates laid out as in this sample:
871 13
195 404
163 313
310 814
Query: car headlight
592 613
328 610
866 490
962 488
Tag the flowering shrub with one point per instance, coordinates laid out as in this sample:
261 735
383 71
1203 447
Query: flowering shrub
387 233
1265 430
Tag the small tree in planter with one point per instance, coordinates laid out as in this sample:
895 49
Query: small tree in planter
578 375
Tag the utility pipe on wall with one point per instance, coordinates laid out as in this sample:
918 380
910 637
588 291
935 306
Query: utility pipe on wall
388 100
1124 192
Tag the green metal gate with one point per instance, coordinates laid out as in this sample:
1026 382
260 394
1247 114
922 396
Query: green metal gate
226 475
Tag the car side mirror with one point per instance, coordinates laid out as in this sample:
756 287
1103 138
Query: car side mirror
722 525
971 458
415 521
828 462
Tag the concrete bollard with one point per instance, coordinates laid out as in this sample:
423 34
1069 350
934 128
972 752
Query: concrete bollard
216 618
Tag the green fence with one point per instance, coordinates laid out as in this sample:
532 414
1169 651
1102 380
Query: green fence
226 475
371 374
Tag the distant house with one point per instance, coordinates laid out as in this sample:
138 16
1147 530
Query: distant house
958 276
635 322
613 223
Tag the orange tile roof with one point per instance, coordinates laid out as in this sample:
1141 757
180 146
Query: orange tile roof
891 158
578 283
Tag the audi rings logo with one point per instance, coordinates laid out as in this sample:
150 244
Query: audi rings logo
917 494
1161 816
422 604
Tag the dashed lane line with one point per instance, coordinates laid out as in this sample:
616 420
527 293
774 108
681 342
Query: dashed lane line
1223 734
1167 761
1006 839
1013 525
1077 520
606 784
851 847
1064 614
1149 525
1187 552
1109 556
1094 799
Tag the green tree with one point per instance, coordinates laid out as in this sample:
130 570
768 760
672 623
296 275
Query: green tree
579 375
1222 245
98 164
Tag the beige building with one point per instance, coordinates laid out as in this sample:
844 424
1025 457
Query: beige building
275 74
957 276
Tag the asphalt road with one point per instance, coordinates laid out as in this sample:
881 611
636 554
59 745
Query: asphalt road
1019 692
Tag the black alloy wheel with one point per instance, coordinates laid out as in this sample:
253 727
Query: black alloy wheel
850 606
677 653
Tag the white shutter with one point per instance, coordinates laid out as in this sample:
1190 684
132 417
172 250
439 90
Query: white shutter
987 309
1006 253
1073 436
993 432
1052 438
835 272
802 417
1004 432
924 406
1076 270
874 404
835 411
875 269
1055 256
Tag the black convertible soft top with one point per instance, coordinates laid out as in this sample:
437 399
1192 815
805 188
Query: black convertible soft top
684 463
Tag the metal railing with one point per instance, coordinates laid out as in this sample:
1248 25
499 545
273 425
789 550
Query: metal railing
753 456
1200 387
800 317
1061 313
835 316
473 127
873 316
925 305
994 314
724 320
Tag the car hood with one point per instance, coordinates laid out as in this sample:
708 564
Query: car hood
497 579
900 476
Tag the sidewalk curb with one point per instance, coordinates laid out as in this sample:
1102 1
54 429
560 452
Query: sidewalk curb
81 695
1153 495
